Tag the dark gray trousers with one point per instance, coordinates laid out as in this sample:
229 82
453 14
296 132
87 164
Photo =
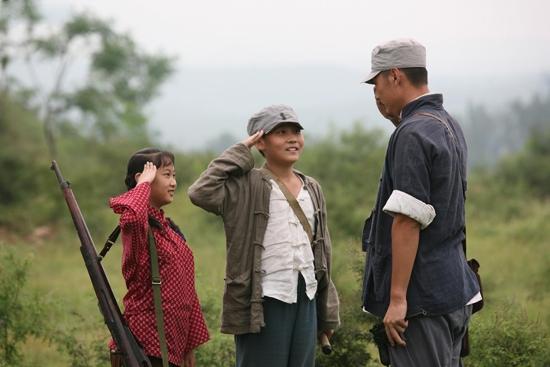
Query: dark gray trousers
288 338
433 341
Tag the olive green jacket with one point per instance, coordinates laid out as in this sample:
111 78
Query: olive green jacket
233 188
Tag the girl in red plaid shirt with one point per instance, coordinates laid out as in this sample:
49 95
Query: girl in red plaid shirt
151 182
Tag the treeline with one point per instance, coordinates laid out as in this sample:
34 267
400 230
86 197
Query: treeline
493 135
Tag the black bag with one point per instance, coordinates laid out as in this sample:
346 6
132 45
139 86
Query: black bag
474 265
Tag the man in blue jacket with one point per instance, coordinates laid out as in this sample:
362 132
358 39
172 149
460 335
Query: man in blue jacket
416 275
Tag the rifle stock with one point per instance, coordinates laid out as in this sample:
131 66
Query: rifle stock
132 354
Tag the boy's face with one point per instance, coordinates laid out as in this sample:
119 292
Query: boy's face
164 186
283 145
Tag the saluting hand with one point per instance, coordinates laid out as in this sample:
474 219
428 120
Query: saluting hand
148 175
253 139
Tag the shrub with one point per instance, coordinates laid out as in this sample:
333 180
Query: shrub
22 313
508 338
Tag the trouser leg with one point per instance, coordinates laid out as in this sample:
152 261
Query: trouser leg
287 339
304 336
270 347
460 328
433 341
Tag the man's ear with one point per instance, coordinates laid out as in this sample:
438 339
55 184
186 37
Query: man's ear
395 76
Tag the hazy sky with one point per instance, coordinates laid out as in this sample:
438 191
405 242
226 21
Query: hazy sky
470 43
481 35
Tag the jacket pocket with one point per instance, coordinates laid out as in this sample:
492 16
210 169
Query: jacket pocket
367 230
319 255
237 292
381 276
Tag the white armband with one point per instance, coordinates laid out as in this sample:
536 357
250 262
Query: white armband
402 203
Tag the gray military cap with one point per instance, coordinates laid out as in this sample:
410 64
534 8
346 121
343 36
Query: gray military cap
398 53
270 117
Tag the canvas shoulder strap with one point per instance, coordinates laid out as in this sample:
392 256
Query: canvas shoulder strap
455 141
157 297
296 208
155 279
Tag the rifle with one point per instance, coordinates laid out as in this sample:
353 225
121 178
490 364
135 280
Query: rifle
132 354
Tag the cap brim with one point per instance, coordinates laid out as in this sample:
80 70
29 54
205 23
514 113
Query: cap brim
283 122
370 78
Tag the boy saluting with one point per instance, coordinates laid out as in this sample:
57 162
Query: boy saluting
278 292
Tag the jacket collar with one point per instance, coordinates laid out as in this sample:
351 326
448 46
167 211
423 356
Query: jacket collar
431 101
157 214
305 179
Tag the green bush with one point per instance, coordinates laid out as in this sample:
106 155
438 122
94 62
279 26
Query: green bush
349 343
26 196
82 343
508 338
22 313
530 168
220 350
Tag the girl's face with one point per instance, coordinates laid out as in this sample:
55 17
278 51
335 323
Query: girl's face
164 186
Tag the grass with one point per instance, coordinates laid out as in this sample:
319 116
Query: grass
514 257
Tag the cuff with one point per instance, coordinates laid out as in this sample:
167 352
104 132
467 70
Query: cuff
402 203
241 155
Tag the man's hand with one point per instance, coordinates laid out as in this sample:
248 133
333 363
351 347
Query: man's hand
189 359
395 323
148 175
253 139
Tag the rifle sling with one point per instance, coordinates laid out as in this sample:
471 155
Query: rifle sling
109 243
296 208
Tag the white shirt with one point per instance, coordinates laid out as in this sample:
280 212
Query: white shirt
287 250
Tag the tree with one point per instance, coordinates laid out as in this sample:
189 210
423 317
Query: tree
492 136
119 79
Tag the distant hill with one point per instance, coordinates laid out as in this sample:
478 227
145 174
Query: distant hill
199 105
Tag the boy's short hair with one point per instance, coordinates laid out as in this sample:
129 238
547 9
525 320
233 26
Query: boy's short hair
270 117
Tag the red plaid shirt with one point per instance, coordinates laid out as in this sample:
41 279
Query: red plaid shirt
184 324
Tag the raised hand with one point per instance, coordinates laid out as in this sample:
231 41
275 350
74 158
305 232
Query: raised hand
253 139
148 175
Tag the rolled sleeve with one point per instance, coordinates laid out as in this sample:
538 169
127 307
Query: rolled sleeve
402 203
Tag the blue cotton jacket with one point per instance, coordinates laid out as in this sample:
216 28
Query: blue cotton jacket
428 162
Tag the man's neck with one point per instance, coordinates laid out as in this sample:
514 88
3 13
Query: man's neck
411 94
414 93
